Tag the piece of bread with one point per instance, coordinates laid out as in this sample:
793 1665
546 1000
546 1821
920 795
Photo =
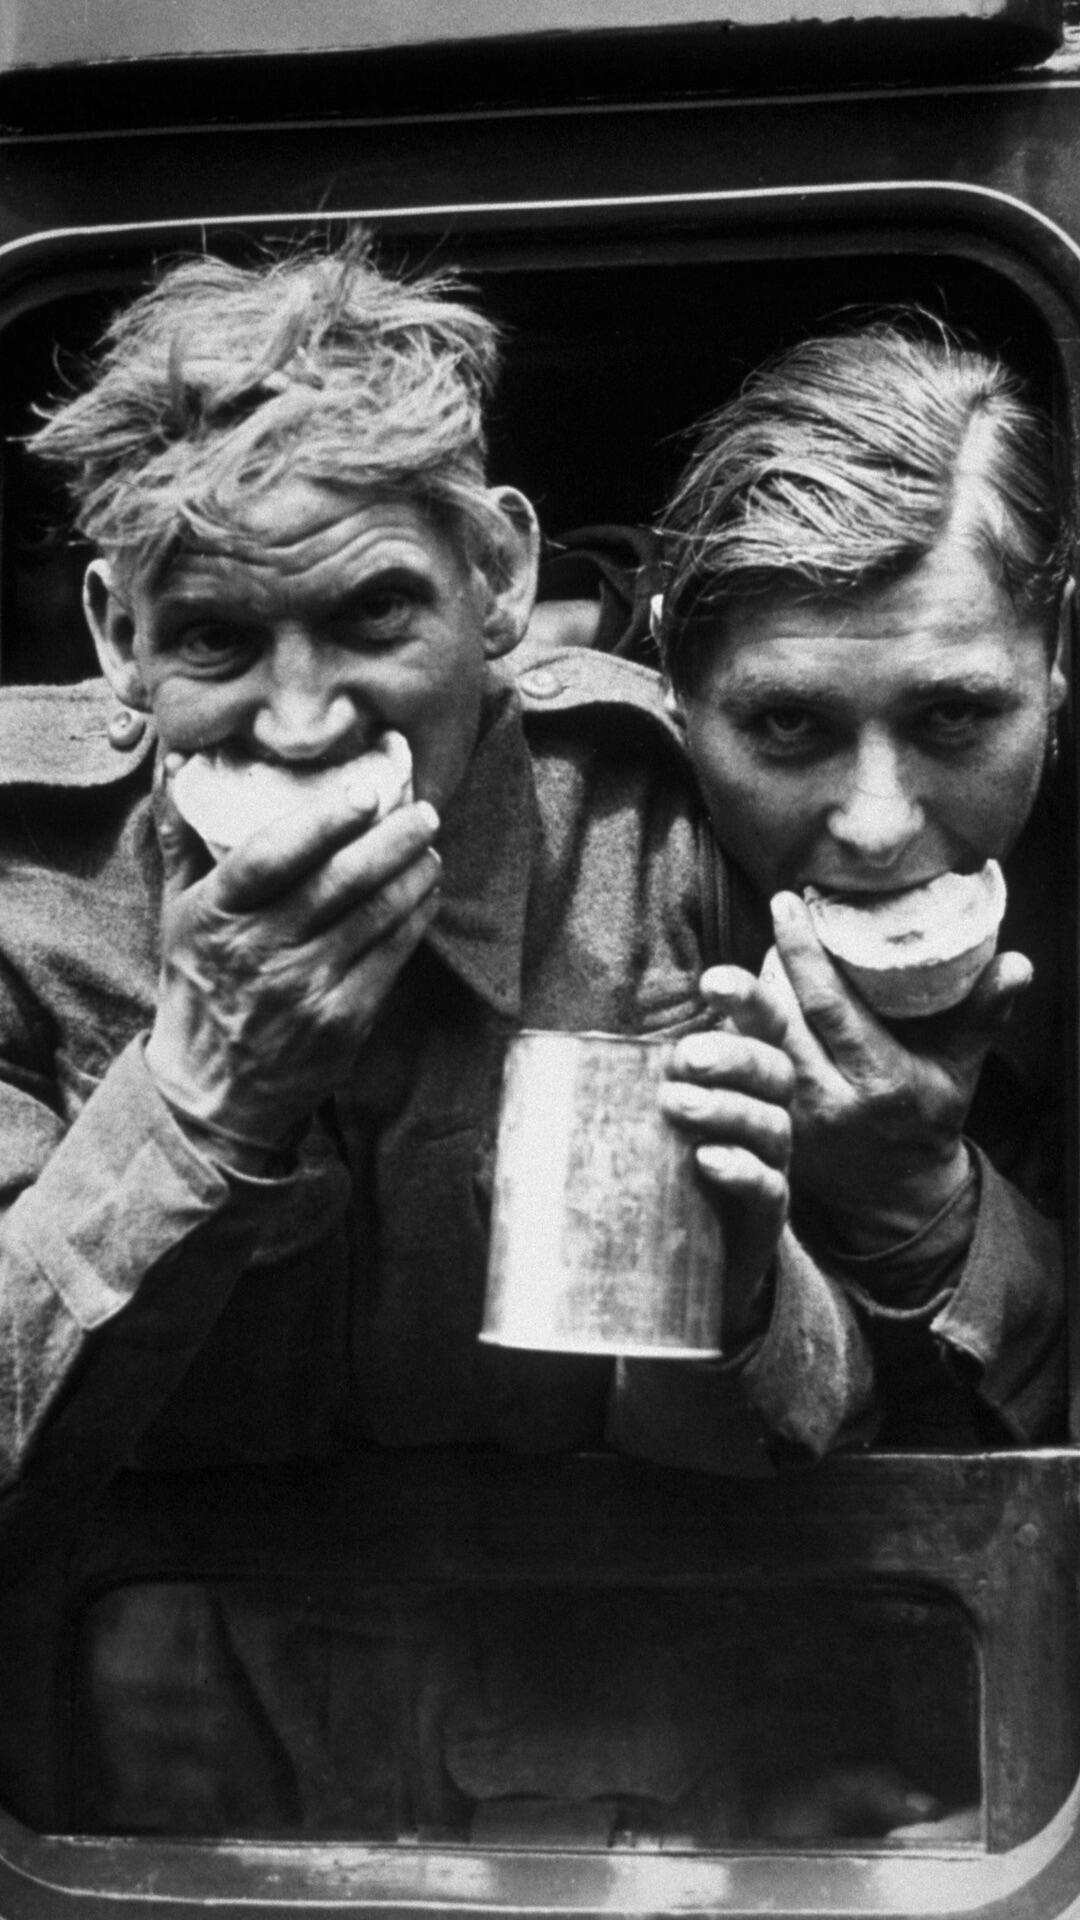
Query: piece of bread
917 952
227 799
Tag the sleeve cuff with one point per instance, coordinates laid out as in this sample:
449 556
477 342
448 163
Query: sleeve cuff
912 1279
802 1387
810 1376
123 1190
1006 1313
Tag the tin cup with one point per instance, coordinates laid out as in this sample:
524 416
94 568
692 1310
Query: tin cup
603 1238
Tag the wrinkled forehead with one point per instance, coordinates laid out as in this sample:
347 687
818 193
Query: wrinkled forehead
953 599
305 535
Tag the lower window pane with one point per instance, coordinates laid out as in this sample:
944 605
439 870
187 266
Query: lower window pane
585 1716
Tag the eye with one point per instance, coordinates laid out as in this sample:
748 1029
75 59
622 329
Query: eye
387 609
787 729
214 643
380 616
956 722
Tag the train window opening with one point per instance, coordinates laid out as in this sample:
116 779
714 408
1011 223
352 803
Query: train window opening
697 1719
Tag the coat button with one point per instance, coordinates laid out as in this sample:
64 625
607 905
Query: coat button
125 730
540 683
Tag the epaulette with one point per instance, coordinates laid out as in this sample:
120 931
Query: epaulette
70 737
567 679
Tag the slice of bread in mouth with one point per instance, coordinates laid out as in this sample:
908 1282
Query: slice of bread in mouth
227 799
917 952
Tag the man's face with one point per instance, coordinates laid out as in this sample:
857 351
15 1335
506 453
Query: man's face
869 746
333 622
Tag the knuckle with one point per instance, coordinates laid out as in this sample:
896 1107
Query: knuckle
252 865
781 1135
898 1103
820 1005
694 1103
739 1055
382 912
785 1078
775 1191
697 1054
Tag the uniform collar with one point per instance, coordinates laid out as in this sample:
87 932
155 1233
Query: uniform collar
486 844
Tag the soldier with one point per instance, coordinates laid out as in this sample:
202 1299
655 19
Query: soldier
248 1106
864 627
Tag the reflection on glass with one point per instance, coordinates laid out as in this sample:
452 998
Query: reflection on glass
587 1716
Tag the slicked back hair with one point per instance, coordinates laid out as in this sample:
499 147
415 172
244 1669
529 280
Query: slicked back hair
841 464
222 381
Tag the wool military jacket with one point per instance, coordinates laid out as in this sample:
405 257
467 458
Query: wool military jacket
158 1311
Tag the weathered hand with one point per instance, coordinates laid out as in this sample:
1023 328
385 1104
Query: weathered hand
877 1112
275 963
731 1085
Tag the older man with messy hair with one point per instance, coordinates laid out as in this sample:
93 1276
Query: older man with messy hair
248 1107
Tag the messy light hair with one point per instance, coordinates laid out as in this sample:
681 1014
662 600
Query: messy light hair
838 467
222 381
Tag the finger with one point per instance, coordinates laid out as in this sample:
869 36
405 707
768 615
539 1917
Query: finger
754 1206
968 1035
717 1058
357 873
374 920
831 1010
741 1175
727 1118
741 998
279 859
363 988
809 1060
995 993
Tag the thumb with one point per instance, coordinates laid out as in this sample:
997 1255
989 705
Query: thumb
798 1040
183 855
988 1008
776 981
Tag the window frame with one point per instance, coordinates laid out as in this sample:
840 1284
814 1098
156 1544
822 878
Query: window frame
1039 1880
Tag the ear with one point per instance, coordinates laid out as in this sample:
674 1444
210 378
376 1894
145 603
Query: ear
1059 669
112 625
511 596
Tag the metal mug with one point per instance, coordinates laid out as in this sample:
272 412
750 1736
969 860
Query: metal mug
604 1239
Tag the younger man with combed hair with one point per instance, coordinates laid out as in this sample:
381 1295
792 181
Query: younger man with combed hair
864 622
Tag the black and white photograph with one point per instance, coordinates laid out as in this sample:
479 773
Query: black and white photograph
539 855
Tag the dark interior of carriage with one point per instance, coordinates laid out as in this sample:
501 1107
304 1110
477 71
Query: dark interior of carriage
609 363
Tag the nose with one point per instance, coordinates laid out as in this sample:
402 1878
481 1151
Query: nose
878 816
306 708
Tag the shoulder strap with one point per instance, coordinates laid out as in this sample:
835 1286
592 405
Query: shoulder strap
562 680
70 737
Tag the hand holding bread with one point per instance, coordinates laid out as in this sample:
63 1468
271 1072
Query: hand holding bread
878 1111
276 962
